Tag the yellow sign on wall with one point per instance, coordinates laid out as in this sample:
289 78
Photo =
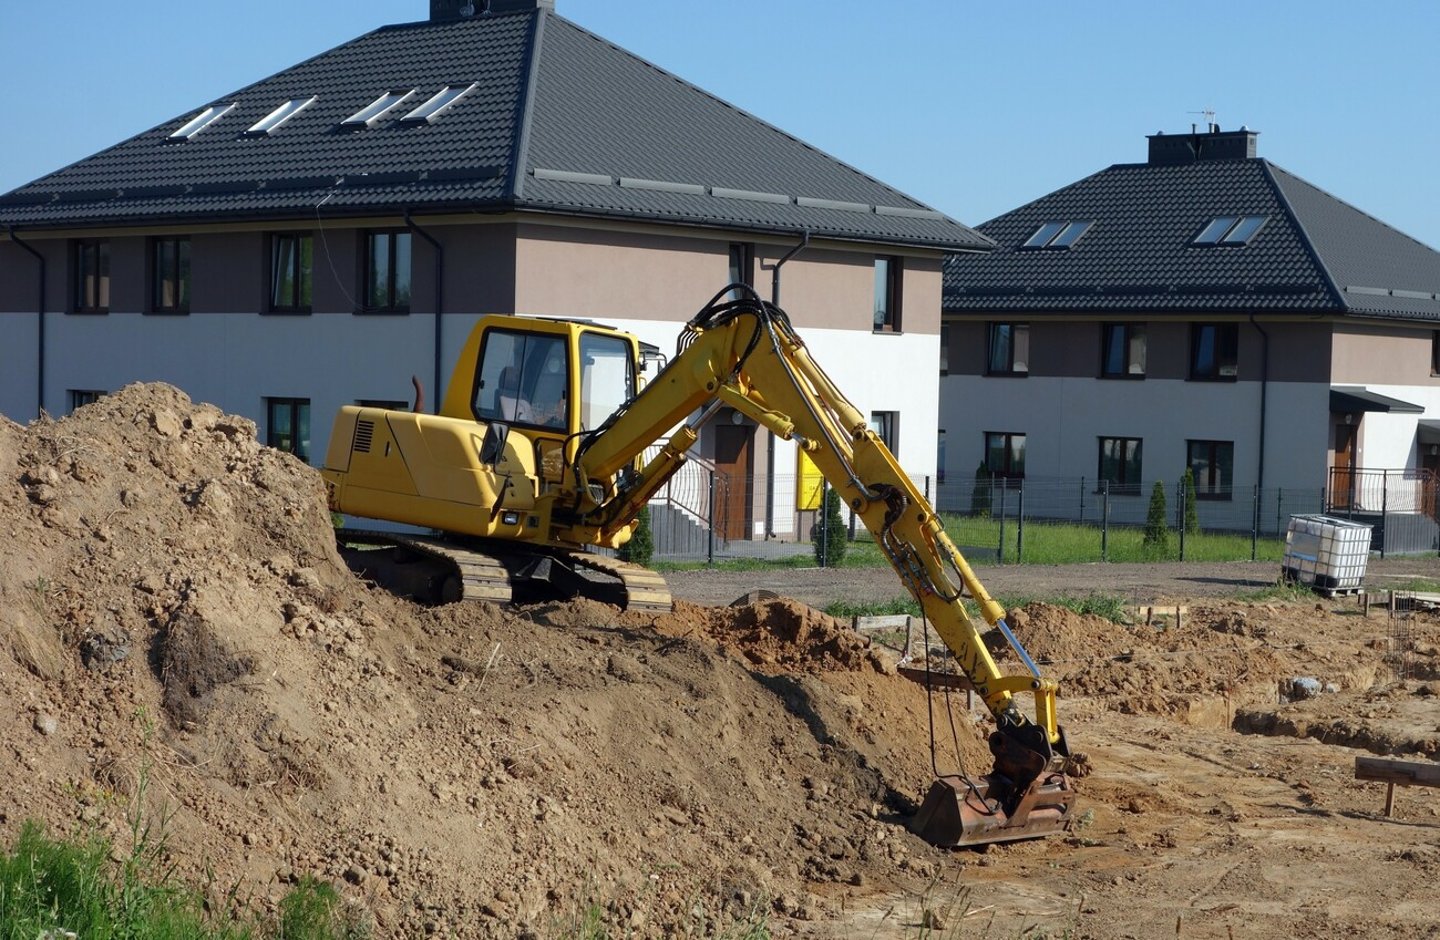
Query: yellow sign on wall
808 482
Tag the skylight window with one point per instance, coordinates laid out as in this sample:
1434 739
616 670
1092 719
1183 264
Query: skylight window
443 99
280 115
377 109
201 121
1230 230
1057 235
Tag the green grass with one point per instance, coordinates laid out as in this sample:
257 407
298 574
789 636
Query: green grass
1046 543
1054 543
54 888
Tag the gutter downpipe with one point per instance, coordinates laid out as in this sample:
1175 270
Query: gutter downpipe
1264 389
40 325
770 450
439 302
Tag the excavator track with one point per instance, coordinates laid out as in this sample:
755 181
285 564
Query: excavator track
436 570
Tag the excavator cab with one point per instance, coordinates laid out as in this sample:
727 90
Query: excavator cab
489 472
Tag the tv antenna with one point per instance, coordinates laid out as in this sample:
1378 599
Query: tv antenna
1209 114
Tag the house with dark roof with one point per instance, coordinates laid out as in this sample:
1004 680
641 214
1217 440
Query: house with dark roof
318 237
1205 309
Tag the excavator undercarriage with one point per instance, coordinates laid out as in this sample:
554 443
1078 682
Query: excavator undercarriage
434 570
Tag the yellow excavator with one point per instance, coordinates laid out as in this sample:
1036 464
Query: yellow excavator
534 459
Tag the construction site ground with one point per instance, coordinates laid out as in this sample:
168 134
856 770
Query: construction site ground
179 635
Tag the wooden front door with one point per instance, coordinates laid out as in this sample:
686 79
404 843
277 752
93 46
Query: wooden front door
733 449
1342 480
1430 482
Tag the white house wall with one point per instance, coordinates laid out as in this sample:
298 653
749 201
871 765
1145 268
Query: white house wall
1063 419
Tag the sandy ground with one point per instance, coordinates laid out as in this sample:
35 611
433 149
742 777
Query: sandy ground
179 637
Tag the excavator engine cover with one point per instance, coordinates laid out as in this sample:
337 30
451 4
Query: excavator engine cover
962 811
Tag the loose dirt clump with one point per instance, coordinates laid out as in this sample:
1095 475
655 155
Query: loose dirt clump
778 635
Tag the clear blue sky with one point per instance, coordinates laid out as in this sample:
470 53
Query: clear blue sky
971 107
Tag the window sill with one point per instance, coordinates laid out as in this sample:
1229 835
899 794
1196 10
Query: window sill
1007 375
1122 377
167 313
90 312
286 312
382 311
1221 379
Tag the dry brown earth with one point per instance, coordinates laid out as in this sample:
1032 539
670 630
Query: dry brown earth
173 610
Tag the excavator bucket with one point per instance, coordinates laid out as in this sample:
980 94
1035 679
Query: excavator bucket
963 811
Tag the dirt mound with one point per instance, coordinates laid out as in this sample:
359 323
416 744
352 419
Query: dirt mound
775 635
176 618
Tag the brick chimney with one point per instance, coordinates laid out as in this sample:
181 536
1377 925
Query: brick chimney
464 9
1212 144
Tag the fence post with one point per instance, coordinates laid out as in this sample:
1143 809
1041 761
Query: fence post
927 490
1180 505
1104 520
1082 500
1020 527
1255 525
710 542
1384 509
1000 553
1280 507
824 521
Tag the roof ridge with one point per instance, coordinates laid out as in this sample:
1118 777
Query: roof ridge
1337 296
525 106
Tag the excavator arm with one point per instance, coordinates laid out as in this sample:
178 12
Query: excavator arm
744 354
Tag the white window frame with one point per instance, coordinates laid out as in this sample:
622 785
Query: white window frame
201 121
279 116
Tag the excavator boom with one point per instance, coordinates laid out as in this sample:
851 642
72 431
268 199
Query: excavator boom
744 354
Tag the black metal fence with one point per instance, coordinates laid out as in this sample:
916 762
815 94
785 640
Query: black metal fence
1063 519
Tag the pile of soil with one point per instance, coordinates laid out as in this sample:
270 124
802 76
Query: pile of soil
175 612
180 638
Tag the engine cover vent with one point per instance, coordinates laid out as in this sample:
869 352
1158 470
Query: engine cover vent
364 434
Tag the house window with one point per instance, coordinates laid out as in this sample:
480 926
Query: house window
201 121
1009 349
1005 455
940 458
1211 464
1230 230
389 404
1214 350
442 100
387 272
288 425
272 121
170 275
1120 464
291 266
944 349
1122 351
887 295
84 396
92 275
886 425
375 110
1057 235
1435 353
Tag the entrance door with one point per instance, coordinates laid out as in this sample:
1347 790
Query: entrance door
1342 479
733 447
1430 482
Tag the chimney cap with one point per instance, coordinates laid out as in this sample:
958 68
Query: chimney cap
466 9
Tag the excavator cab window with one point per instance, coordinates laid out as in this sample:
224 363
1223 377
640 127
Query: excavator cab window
607 377
523 380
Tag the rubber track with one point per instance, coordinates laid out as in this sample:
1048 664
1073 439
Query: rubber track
644 589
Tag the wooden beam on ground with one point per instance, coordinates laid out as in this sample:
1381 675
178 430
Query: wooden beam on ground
1405 773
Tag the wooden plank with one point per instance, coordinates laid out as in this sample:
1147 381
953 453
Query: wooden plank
880 622
1405 773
